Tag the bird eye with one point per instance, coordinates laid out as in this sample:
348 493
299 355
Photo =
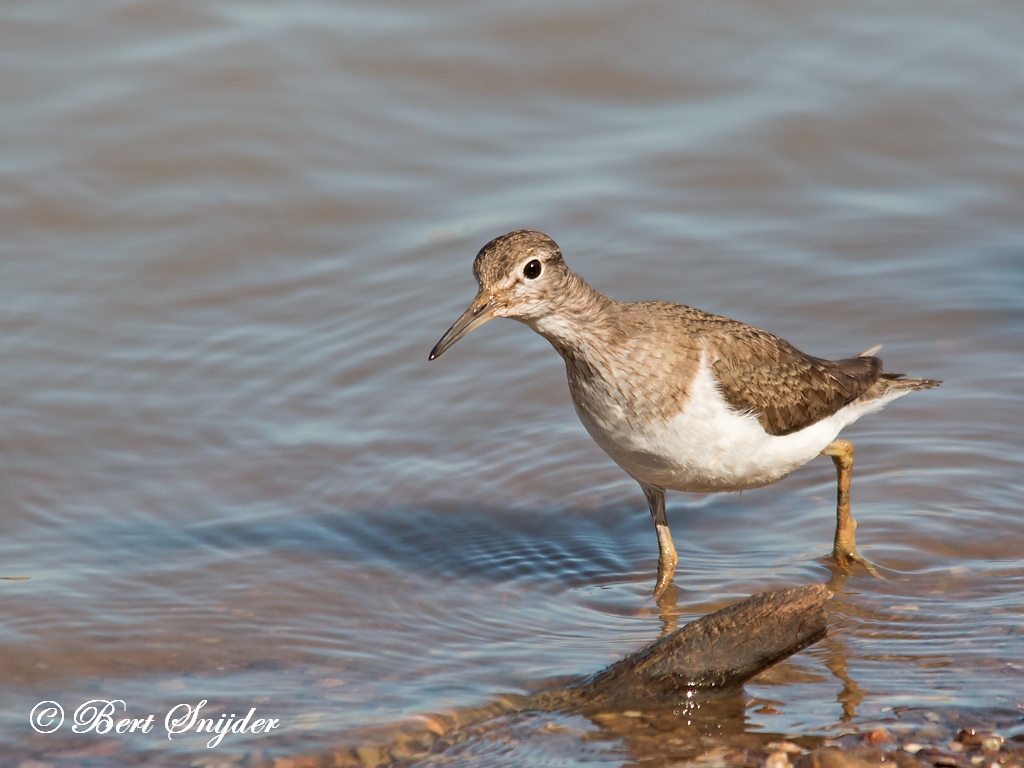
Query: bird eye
532 270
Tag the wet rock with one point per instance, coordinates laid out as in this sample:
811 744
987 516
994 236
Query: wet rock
879 736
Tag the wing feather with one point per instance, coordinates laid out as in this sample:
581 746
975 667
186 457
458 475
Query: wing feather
784 388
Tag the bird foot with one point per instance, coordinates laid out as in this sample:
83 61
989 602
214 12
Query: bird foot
844 557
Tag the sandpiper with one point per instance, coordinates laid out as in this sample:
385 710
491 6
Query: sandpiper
682 399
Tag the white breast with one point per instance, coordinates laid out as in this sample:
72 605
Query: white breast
710 446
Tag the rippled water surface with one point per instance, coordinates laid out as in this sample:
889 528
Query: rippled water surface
230 232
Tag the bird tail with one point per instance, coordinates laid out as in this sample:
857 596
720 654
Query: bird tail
895 382
898 382
889 387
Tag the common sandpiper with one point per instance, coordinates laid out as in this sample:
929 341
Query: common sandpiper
681 399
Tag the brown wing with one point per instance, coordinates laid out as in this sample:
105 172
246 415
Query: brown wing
785 389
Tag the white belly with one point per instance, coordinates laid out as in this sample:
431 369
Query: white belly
710 446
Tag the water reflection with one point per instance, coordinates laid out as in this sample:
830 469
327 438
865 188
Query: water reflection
837 661
836 652
668 609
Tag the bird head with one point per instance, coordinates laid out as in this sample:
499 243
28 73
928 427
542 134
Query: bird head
521 275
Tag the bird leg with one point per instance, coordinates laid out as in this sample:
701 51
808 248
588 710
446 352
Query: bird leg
844 550
667 557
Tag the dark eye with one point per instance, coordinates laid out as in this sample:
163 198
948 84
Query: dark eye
532 270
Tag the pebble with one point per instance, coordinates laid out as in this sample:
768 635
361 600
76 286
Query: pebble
912 748
785 746
835 757
880 736
991 743
777 760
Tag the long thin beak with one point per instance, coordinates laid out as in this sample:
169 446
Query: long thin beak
479 312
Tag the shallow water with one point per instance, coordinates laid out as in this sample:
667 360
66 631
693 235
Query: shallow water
231 232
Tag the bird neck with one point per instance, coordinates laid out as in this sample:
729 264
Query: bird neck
580 320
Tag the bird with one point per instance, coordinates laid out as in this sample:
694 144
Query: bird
679 398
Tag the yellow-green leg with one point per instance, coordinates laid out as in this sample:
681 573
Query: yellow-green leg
667 557
844 550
